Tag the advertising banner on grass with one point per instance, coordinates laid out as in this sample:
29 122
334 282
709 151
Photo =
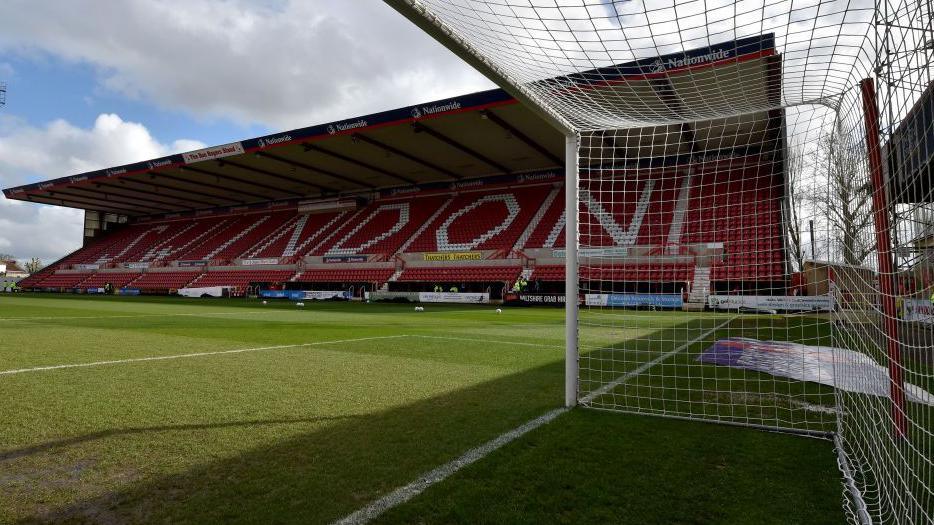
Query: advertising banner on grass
660 300
836 367
128 291
449 297
823 303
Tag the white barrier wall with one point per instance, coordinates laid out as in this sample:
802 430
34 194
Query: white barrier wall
823 303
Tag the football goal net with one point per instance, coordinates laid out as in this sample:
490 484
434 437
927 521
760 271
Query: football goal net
748 217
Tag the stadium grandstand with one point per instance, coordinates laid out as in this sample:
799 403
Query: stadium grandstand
465 192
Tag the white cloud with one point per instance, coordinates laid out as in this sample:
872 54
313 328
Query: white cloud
283 64
60 148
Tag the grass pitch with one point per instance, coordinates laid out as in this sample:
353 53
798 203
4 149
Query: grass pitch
275 414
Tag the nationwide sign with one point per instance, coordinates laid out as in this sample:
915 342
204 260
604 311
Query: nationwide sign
431 109
733 50
216 152
453 256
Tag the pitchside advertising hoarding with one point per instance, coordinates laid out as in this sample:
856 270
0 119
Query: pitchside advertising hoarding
823 303
919 310
306 295
634 300
450 297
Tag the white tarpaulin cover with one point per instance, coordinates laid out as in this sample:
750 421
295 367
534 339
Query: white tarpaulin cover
836 367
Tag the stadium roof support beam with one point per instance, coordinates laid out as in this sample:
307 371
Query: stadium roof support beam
67 204
220 176
121 184
173 188
107 197
276 175
421 128
148 195
311 147
396 151
315 169
516 132
214 186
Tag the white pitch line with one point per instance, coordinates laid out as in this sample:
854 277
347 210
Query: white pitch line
649 364
195 354
403 494
53 317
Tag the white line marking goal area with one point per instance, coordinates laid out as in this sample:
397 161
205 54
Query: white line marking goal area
409 491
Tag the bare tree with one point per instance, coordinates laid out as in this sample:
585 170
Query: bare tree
846 206
794 168
34 265
6 257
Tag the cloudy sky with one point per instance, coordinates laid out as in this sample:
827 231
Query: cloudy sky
95 83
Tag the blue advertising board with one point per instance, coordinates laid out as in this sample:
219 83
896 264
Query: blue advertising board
645 299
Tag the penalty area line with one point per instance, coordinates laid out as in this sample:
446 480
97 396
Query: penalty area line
407 492
194 354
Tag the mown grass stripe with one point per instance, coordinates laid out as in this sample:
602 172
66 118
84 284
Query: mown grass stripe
195 354
407 492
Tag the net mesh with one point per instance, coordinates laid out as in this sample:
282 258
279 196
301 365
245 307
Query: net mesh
755 232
